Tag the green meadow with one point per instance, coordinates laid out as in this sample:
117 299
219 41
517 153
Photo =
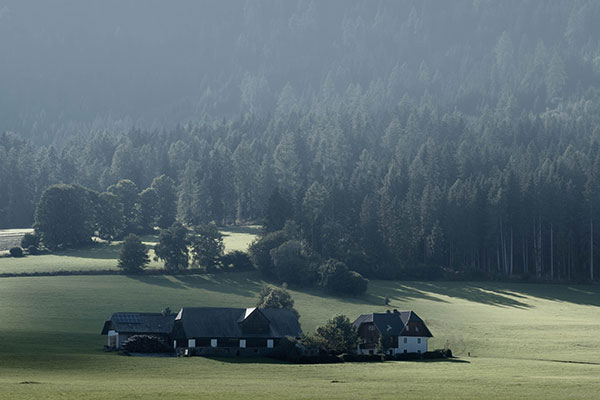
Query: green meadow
101 256
533 341
529 341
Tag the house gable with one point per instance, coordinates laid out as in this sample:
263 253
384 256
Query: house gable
254 322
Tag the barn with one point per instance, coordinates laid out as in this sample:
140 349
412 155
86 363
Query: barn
121 325
232 331
391 332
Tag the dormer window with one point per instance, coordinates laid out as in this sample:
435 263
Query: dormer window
371 327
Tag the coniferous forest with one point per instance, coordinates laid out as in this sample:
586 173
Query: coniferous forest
423 138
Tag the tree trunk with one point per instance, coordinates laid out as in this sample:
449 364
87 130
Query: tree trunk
551 251
525 265
511 252
591 249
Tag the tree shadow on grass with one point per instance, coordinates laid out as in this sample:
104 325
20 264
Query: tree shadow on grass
239 284
588 295
102 251
479 293
158 280
446 360
397 291
245 360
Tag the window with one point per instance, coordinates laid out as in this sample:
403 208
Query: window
213 342
419 351
270 343
416 329
419 340
405 351
242 343
405 340
371 327
191 342
370 351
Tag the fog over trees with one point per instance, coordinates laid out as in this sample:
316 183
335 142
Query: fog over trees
402 138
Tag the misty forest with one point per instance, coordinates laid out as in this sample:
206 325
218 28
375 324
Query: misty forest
407 139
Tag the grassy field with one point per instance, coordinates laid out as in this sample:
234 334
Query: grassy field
526 341
101 256
11 238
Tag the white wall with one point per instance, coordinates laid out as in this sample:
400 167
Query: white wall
112 334
412 344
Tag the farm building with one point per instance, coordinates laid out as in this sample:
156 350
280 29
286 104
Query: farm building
121 325
391 332
232 331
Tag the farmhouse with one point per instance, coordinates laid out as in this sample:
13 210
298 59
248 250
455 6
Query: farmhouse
232 331
121 325
392 332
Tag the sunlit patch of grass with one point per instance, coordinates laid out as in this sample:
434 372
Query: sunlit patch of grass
102 256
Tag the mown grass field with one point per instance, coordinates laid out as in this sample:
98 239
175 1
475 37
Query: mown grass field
523 341
100 256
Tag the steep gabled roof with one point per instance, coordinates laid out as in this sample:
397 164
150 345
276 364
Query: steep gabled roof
135 322
411 316
392 323
218 322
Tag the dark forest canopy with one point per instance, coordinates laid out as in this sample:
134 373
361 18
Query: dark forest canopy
459 134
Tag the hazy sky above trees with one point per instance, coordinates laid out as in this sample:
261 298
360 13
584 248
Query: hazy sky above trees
113 64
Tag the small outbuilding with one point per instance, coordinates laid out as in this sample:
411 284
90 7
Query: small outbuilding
122 325
392 332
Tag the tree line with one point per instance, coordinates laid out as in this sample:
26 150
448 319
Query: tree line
471 151
385 194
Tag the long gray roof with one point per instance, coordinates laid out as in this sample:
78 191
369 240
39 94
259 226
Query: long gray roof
215 322
135 322
391 323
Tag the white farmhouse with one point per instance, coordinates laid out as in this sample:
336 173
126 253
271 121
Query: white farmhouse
391 332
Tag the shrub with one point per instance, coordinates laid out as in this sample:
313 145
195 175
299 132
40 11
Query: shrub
237 261
30 239
286 350
352 357
336 337
145 344
352 283
16 252
33 250
409 356
291 263
260 251
335 277
437 354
